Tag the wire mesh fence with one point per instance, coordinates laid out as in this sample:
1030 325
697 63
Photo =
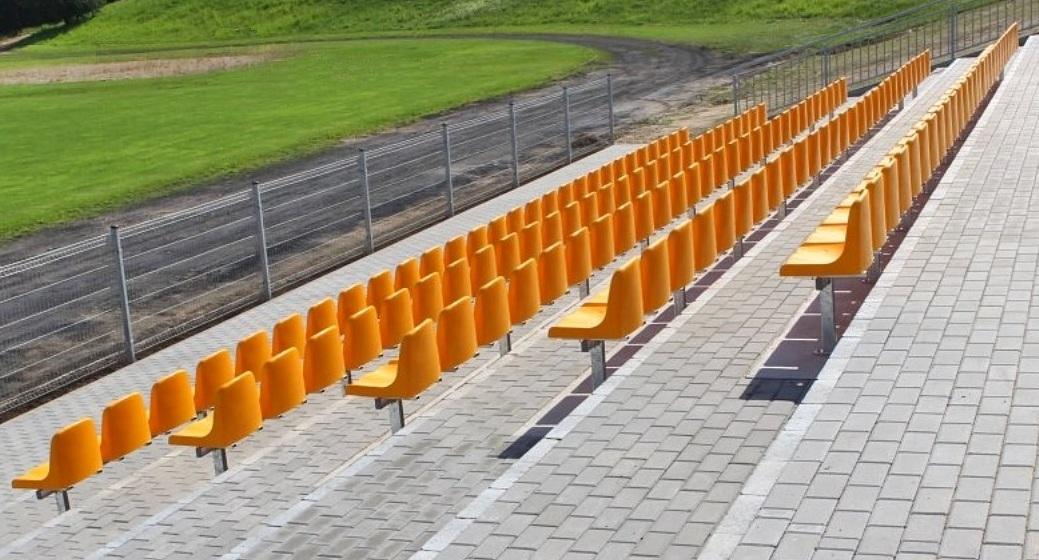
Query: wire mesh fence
867 53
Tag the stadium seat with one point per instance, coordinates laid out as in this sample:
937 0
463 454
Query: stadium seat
361 341
579 260
323 361
124 427
406 275
483 267
350 301
552 229
524 294
290 332
212 372
252 352
456 334
602 243
724 222
428 298
431 261
680 261
515 220
644 226
74 457
380 288
281 384
624 236
417 368
497 229
455 248
508 252
552 281
396 318
655 276
759 196
171 404
457 280
705 250
530 241
320 316
236 415
491 313
476 239
661 206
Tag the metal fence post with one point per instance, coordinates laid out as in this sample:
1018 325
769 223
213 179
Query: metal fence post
515 144
261 244
735 95
362 167
566 123
116 245
609 100
826 66
952 31
446 134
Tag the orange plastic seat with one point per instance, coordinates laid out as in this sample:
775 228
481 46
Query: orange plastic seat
759 194
396 318
380 287
743 204
533 211
428 298
483 267
431 261
236 414
724 222
552 281
552 229
124 427
456 334
252 352
644 213
624 235
323 361
362 342
655 276
508 253
74 457
281 384
491 312
661 206
455 248
497 229
892 210
289 332
677 194
605 200
350 301
832 259
457 280
601 233
212 372
515 221
524 292
619 317
774 184
407 377
320 316
406 275
171 404
705 247
530 241
476 239
589 208
578 257
680 256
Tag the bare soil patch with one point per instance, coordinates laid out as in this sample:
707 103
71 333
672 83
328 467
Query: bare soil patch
132 69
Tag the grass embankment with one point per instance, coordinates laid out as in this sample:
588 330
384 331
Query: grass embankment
73 149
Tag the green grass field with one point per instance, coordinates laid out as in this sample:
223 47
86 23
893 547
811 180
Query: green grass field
73 149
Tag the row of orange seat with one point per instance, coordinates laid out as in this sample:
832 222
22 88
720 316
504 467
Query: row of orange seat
438 308
643 284
848 242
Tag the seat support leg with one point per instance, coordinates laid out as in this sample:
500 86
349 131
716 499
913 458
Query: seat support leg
61 498
505 344
395 409
219 460
680 301
597 351
583 289
692 211
827 315
781 211
737 249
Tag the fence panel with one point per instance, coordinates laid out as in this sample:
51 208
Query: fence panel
481 158
590 117
408 184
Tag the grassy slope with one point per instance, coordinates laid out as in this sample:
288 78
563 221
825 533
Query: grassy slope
70 149
133 22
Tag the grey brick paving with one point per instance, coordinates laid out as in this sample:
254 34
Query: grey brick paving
930 398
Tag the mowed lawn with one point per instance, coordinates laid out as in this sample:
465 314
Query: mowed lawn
73 149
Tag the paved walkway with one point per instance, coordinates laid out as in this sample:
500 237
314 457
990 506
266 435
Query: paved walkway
920 440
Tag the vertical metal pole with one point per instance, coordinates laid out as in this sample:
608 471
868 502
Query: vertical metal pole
446 134
609 97
219 460
515 144
396 412
597 351
505 344
827 315
826 66
261 244
566 125
735 95
952 31
362 167
61 498
116 245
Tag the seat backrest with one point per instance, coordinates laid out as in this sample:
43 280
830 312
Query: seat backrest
252 352
661 205
406 275
801 162
456 334
515 219
380 287
74 455
572 220
524 294
350 301
532 211
289 332
549 203
508 253
530 241
236 414
211 373
889 177
552 282
788 172
759 194
428 298
476 239
743 208
497 229
455 248
774 182
878 228
589 208
644 212
705 247
607 201
551 229
655 276
678 194
724 222
281 384
858 246
624 237
172 402
361 340
693 187
621 190
680 255
124 427
320 316
483 267
457 280
432 261
419 365
601 233
396 318
624 308
578 256
323 360
491 311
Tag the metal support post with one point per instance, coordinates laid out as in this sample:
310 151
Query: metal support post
735 95
597 350
609 100
61 498
262 262
782 210
219 460
116 245
826 66
738 250
515 144
583 289
362 169
679 299
566 124
395 409
448 178
873 272
827 315
952 31
505 344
